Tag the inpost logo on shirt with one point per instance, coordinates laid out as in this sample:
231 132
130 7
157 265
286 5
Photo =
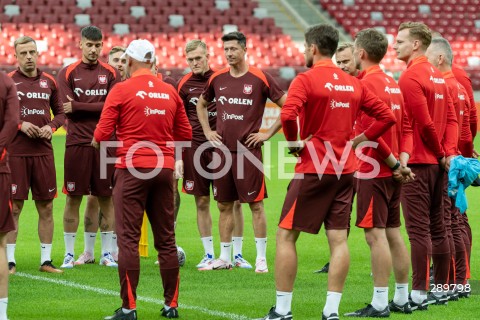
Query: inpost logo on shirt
27 112
231 116
150 112
338 104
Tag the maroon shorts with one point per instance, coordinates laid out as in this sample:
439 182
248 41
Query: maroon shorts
197 176
311 202
37 173
242 180
378 203
82 173
6 217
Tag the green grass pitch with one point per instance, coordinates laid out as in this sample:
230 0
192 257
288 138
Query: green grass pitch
91 291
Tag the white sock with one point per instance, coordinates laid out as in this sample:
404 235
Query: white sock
237 246
208 246
114 243
45 252
284 302
418 296
401 293
3 308
11 252
380 298
69 239
127 311
106 241
226 251
332 303
89 241
166 307
261 244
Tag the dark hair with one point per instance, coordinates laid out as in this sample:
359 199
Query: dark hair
324 36
236 35
373 42
92 33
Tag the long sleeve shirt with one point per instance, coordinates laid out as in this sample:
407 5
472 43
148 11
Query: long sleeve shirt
144 109
8 118
327 102
465 81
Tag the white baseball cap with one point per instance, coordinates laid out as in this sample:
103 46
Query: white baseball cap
141 50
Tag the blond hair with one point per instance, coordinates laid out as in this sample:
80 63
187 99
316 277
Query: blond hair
194 44
418 31
23 40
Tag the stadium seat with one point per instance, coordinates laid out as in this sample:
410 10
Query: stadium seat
376 16
227 28
11 10
424 8
84 4
260 13
222 4
176 20
287 73
121 28
82 19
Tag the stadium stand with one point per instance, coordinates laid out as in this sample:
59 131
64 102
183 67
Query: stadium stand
56 23
457 20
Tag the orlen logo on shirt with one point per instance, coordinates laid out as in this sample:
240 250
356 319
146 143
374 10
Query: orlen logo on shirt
461 97
392 90
337 104
339 87
193 101
231 116
27 112
33 95
153 95
395 107
151 112
91 92
237 101
437 80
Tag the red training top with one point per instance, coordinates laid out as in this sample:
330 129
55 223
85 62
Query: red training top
327 102
144 109
465 81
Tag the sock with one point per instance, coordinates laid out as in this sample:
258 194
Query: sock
166 307
237 246
69 239
11 252
127 311
332 303
3 308
401 293
380 298
106 242
261 244
45 252
208 246
89 240
226 251
284 302
418 296
114 243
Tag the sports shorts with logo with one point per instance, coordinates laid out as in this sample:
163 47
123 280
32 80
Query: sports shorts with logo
312 201
239 176
6 218
82 173
36 173
197 175
378 203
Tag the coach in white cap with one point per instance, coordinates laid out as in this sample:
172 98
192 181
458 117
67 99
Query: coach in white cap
146 113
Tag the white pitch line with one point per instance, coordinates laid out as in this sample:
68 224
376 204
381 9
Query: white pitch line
106 292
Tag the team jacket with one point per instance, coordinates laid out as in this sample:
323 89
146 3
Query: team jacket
327 102
88 86
37 96
8 118
430 111
144 109
465 81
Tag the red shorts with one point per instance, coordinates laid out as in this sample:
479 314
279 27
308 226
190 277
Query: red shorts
82 173
378 203
195 182
311 202
242 180
37 173
6 218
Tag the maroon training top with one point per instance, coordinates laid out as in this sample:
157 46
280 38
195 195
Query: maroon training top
88 85
8 117
37 95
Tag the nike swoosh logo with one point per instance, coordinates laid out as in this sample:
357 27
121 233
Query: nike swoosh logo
77 79
250 193
192 89
222 88
51 190
17 83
